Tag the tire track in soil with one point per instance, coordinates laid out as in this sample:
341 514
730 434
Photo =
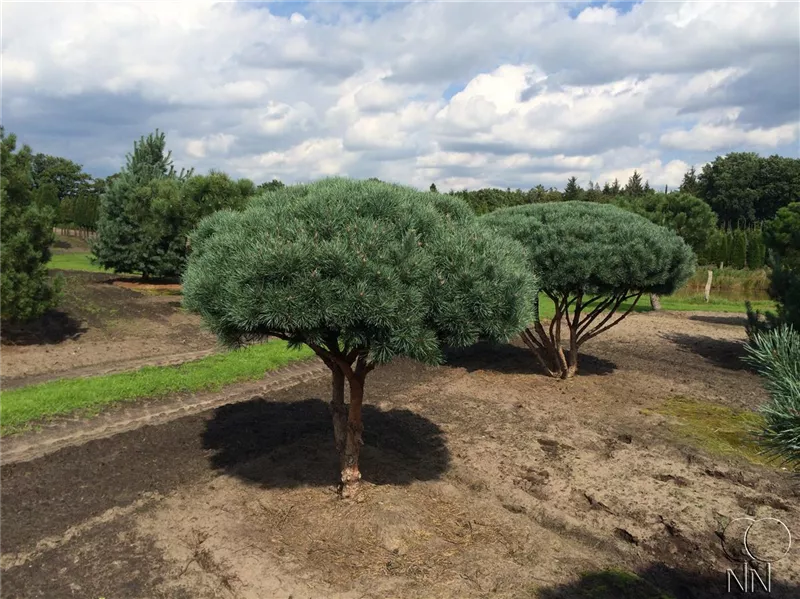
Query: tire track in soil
129 416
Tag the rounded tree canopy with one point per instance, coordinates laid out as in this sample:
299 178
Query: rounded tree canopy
596 248
372 265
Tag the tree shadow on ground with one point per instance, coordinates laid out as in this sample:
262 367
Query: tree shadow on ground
732 320
721 352
54 326
290 444
660 581
508 358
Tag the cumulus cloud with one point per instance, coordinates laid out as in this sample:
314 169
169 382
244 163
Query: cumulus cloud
463 94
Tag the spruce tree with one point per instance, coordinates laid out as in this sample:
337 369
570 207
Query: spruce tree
27 234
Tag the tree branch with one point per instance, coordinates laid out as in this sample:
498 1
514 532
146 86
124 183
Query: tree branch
598 330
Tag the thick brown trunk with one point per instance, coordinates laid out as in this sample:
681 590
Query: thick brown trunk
351 475
572 358
338 409
655 302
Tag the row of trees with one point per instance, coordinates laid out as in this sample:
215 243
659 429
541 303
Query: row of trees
743 189
364 271
739 248
62 185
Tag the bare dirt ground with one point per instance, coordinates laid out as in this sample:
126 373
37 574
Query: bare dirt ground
102 325
486 479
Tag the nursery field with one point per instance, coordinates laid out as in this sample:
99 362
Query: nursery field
484 478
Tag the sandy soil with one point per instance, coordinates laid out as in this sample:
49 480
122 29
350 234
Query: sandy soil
102 325
485 479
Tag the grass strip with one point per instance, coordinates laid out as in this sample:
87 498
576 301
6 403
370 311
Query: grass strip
20 407
678 304
74 261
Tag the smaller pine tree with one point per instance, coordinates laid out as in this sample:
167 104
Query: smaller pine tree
634 186
573 191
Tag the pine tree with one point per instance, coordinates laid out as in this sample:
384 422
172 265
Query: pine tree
360 272
127 227
617 254
433 188
634 187
607 189
689 184
26 238
573 191
593 193
615 188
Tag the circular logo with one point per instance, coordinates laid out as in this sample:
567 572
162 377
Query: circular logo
764 540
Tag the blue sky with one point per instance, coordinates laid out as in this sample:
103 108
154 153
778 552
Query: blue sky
462 94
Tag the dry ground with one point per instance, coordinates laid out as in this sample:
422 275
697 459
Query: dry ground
102 325
487 480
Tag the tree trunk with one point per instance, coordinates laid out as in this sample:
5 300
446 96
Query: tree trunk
351 476
707 293
572 358
655 302
338 409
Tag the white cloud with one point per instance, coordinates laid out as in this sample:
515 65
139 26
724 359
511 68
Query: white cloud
543 95
712 138
219 143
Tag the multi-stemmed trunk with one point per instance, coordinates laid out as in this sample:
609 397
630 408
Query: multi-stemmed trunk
546 343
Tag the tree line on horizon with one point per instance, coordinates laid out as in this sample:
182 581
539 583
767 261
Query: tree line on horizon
144 213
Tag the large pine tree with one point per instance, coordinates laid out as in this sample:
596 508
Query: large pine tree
130 237
26 238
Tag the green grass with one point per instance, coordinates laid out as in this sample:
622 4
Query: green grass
679 303
74 261
717 429
21 407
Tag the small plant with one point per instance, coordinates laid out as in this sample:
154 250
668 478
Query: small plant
776 355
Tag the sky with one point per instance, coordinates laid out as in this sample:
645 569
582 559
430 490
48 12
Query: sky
463 94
